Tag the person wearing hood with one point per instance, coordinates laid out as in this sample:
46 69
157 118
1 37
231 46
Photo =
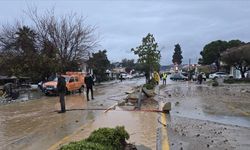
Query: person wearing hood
89 85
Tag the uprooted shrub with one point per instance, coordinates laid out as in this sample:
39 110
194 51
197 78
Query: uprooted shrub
150 85
102 139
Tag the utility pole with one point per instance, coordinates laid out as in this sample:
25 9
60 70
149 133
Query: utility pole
189 62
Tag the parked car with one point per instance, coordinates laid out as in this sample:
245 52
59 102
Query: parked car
74 81
129 76
219 75
178 76
124 75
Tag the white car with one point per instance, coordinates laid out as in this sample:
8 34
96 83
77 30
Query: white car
219 75
124 75
129 76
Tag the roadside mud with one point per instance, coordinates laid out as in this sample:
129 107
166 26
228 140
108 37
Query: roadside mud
193 134
206 117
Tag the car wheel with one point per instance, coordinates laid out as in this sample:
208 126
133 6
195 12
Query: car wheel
81 89
67 91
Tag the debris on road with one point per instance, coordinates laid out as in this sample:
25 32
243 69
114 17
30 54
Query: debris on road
167 107
147 92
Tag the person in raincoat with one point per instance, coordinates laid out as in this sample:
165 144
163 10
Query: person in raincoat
156 77
61 89
89 85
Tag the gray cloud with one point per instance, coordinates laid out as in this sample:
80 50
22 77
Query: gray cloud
122 24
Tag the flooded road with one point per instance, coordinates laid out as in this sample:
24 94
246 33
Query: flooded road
201 116
35 124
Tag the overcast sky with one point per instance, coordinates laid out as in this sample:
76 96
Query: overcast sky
122 23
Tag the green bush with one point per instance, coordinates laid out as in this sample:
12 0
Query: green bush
115 138
102 139
231 81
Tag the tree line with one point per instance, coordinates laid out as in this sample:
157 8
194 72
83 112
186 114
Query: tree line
234 53
52 44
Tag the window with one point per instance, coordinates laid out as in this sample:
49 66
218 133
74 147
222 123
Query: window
71 80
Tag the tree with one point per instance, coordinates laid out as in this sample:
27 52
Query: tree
54 44
211 52
239 57
49 59
148 54
25 46
128 64
21 54
99 63
177 57
69 34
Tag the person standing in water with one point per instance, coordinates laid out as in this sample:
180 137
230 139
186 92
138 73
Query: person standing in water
89 85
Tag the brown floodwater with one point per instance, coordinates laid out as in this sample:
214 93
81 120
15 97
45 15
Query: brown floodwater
141 126
35 124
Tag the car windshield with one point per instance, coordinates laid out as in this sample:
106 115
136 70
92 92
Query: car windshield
66 78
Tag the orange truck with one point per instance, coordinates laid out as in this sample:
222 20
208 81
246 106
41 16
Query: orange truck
74 82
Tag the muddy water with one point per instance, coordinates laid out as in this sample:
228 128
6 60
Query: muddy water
194 109
141 126
226 104
34 124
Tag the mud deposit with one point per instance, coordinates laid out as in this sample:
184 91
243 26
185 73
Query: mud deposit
206 117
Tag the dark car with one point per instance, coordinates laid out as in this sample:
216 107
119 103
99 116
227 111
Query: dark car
178 76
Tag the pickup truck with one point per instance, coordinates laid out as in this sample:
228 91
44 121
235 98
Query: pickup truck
74 82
